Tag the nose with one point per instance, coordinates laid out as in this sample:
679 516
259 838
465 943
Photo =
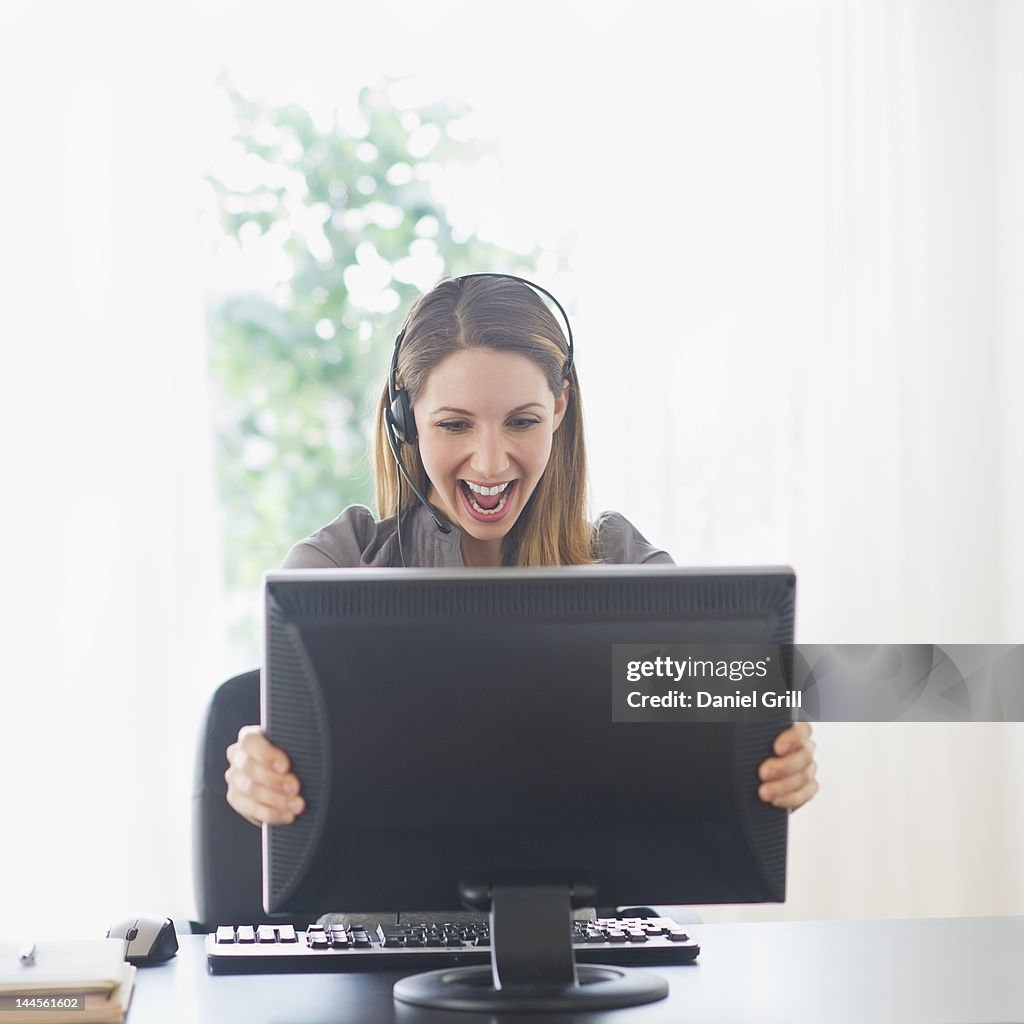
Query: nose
490 457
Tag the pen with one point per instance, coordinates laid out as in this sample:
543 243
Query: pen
28 955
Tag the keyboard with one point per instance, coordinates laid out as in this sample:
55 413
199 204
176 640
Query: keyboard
273 948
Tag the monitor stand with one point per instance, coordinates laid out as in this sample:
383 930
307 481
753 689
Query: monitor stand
532 964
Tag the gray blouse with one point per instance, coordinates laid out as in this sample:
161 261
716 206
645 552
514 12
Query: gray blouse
355 539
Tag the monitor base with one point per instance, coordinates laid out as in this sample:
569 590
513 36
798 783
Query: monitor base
472 988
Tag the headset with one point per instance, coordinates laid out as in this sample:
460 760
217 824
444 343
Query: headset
400 422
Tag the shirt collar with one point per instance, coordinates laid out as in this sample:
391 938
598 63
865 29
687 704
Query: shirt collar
428 545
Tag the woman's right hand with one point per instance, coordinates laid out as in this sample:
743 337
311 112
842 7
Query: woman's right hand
261 785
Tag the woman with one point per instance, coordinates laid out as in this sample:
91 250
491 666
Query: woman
479 461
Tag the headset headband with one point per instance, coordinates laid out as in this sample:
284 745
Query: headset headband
393 388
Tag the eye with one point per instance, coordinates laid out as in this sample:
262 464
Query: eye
453 426
523 422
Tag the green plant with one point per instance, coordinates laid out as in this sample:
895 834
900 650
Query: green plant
351 221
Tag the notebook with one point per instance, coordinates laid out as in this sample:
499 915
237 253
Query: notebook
81 980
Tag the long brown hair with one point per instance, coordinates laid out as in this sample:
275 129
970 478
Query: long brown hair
507 316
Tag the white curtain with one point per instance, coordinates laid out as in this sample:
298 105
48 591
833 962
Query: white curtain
795 235
820 365
814 358
922 446
922 443
110 576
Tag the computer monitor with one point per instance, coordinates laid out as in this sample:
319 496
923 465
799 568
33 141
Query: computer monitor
455 733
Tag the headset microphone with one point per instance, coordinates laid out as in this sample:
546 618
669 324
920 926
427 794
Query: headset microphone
391 430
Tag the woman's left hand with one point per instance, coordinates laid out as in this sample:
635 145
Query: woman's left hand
788 779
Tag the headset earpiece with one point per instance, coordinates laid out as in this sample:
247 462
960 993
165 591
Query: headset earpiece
401 418
400 428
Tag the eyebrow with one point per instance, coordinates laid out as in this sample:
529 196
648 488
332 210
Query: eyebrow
466 412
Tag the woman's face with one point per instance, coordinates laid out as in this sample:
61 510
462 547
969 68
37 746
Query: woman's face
485 421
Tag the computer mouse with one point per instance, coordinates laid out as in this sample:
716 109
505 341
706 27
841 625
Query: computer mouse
150 940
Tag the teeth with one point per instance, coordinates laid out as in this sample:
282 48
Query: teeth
502 502
496 489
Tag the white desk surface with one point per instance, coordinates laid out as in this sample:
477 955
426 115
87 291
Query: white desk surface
952 970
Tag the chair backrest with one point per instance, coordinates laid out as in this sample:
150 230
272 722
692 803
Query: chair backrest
226 849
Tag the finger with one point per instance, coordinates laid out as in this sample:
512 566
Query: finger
781 792
792 738
779 767
800 797
253 742
243 767
253 779
790 783
257 813
259 802
269 798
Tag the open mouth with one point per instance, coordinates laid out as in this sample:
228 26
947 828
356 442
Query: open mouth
487 504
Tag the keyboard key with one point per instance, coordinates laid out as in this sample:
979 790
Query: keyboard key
287 933
225 934
265 933
246 933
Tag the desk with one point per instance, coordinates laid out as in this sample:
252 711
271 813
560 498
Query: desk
946 970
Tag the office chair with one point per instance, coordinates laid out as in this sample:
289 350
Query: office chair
226 849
